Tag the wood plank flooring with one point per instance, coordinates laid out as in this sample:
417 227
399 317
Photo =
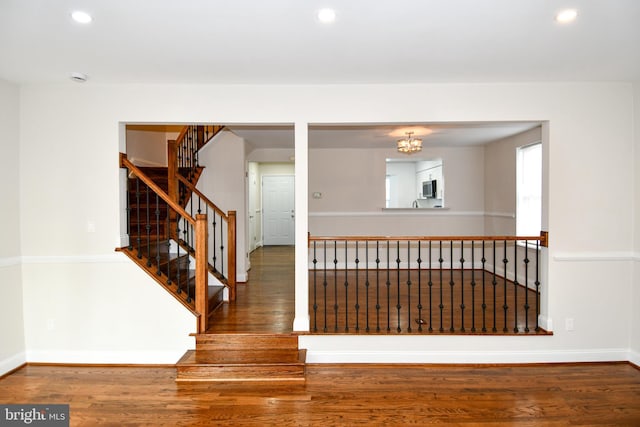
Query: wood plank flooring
340 395
265 304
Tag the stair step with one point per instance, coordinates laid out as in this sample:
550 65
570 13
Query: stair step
271 365
246 342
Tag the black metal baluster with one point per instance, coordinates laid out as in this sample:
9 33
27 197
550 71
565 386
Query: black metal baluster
377 285
494 282
505 306
515 287
398 306
408 287
388 283
168 252
157 212
441 306
346 289
462 306
366 283
420 320
315 302
473 286
325 284
537 283
430 284
451 285
148 225
128 210
214 231
222 246
335 285
357 306
484 301
139 234
179 269
526 286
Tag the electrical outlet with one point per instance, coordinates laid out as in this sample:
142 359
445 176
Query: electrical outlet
91 227
568 324
51 324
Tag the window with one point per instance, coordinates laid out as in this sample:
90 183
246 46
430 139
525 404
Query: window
529 190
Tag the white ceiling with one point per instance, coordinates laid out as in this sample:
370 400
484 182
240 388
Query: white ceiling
281 41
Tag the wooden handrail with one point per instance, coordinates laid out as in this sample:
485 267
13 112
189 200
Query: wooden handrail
125 163
425 238
190 186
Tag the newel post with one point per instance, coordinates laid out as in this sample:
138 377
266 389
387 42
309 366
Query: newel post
231 244
202 297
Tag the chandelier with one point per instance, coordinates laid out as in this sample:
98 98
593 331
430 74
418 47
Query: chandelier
409 144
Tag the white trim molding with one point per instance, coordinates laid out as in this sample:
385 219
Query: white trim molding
10 261
608 256
13 362
75 259
399 211
165 357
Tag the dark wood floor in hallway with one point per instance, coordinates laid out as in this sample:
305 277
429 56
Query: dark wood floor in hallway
265 304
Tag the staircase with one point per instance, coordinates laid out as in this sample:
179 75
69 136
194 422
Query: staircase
170 225
243 357
152 249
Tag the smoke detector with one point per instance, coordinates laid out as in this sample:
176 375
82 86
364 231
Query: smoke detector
78 77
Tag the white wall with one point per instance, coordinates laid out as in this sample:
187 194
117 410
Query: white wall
594 120
500 182
223 182
12 343
634 301
352 183
147 147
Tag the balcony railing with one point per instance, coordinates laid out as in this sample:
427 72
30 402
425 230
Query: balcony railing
454 285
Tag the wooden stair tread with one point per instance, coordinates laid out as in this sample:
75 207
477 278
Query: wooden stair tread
242 358
247 342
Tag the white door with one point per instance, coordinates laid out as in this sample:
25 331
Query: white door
278 210
253 196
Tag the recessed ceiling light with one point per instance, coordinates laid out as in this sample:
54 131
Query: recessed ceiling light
566 16
326 15
81 17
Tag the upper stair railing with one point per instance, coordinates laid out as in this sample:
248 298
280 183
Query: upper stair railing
449 284
187 145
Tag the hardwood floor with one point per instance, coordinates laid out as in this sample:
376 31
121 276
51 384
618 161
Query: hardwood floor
265 304
550 395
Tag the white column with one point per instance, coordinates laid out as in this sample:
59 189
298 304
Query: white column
301 320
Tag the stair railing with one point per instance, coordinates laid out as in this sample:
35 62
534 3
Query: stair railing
188 143
150 230
221 231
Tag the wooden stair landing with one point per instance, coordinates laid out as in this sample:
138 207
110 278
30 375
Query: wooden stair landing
243 357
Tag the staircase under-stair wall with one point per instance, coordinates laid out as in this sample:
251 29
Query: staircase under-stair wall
192 256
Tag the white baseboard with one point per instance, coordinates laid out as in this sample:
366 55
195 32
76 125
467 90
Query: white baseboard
634 357
468 357
13 362
105 357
